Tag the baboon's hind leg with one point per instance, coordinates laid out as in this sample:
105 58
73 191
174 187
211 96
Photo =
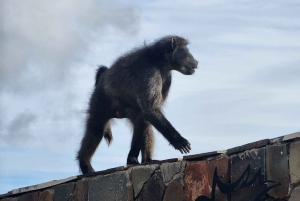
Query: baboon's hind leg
147 144
93 136
95 127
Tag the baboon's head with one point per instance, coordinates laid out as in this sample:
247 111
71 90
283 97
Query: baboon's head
178 55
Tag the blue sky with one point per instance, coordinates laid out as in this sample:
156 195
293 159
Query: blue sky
246 87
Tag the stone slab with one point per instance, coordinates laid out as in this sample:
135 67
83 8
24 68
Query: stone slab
295 196
64 191
81 191
169 170
29 196
203 155
11 199
140 175
103 172
200 176
252 145
221 165
245 167
155 162
291 136
294 162
43 185
6 195
113 187
163 161
174 191
196 181
153 189
277 170
46 195
277 140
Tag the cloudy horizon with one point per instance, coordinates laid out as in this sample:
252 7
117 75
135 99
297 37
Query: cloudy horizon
246 87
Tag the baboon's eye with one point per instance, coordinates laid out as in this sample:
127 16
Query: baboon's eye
181 52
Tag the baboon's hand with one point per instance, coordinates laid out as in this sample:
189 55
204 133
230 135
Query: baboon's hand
182 145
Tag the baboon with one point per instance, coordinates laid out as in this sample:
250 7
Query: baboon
136 87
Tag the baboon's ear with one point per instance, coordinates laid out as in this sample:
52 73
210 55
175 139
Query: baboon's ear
173 44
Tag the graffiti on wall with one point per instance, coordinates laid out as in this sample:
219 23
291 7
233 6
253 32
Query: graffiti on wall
243 181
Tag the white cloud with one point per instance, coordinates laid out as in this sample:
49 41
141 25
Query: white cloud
43 41
262 37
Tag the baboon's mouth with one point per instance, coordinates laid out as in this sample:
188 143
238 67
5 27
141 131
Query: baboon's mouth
188 70
192 70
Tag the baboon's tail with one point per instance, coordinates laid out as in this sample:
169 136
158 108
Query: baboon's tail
100 70
107 131
108 134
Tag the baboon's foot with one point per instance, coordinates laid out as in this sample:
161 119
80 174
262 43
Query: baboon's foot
149 160
86 167
182 145
132 160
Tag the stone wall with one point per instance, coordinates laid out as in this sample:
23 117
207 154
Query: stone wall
264 170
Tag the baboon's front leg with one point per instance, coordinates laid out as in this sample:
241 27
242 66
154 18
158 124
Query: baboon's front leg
142 139
158 120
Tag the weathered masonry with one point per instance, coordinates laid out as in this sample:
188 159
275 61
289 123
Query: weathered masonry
264 170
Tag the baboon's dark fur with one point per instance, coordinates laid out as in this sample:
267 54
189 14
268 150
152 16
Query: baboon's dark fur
135 87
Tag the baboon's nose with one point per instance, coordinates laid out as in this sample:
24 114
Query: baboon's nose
196 62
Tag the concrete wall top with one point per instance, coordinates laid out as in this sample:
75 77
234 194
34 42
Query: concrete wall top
268 169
